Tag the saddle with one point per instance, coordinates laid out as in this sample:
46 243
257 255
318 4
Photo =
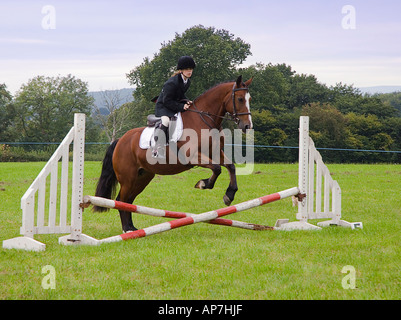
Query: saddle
153 121
175 130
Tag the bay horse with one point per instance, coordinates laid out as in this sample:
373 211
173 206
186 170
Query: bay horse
127 164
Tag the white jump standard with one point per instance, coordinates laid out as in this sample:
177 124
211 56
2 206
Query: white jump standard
314 179
35 218
318 197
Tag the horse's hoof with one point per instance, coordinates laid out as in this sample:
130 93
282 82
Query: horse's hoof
201 184
227 200
130 230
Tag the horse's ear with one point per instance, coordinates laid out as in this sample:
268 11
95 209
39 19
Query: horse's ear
248 83
239 81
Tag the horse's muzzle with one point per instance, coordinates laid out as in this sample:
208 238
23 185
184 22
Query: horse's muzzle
244 126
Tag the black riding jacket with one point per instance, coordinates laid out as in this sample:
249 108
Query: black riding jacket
170 100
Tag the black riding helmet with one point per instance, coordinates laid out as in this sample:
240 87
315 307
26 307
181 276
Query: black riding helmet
186 62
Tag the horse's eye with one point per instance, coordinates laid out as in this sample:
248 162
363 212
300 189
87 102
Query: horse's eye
240 99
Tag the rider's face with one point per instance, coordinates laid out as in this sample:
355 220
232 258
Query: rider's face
187 73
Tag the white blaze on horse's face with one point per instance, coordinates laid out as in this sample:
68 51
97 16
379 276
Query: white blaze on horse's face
248 106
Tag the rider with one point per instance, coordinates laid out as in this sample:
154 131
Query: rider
171 100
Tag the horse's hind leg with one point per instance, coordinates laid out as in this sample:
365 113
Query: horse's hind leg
129 192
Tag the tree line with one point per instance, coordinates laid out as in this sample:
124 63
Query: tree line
341 115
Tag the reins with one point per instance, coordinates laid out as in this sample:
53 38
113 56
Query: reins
211 115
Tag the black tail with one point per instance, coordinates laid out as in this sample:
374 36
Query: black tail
106 186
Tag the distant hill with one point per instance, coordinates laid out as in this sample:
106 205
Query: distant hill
380 89
125 95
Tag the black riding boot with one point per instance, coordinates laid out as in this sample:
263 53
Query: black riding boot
159 150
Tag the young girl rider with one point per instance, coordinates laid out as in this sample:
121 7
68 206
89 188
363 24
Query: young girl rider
171 100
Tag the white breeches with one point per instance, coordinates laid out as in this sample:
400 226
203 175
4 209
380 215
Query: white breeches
165 121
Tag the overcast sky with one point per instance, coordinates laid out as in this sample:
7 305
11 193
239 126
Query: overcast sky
100 41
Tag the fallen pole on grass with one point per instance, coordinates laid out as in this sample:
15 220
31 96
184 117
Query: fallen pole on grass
114 204
203 217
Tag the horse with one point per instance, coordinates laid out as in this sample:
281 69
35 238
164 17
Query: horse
127 164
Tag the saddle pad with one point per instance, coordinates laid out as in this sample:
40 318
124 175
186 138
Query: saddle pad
175 132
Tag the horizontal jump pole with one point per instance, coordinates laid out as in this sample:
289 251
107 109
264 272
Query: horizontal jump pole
203 217
114 204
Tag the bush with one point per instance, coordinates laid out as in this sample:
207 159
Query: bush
43 153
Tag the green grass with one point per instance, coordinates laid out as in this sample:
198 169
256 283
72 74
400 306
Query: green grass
215 262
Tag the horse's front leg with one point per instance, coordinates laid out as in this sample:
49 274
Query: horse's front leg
209 183
233 187
216 168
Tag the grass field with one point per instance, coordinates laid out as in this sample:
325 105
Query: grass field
215 262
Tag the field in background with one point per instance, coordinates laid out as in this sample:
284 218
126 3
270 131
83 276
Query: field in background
215 262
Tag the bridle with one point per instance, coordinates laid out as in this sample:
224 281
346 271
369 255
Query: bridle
232 117
235 113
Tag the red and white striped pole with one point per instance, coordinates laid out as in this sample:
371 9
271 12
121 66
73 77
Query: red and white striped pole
114 204
203 217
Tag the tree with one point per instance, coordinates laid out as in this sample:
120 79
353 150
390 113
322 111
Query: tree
392 127
216 53
45 107
327 125
269 87
305 89
7 114
137 113
392 99
365 127
113 122
348 99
